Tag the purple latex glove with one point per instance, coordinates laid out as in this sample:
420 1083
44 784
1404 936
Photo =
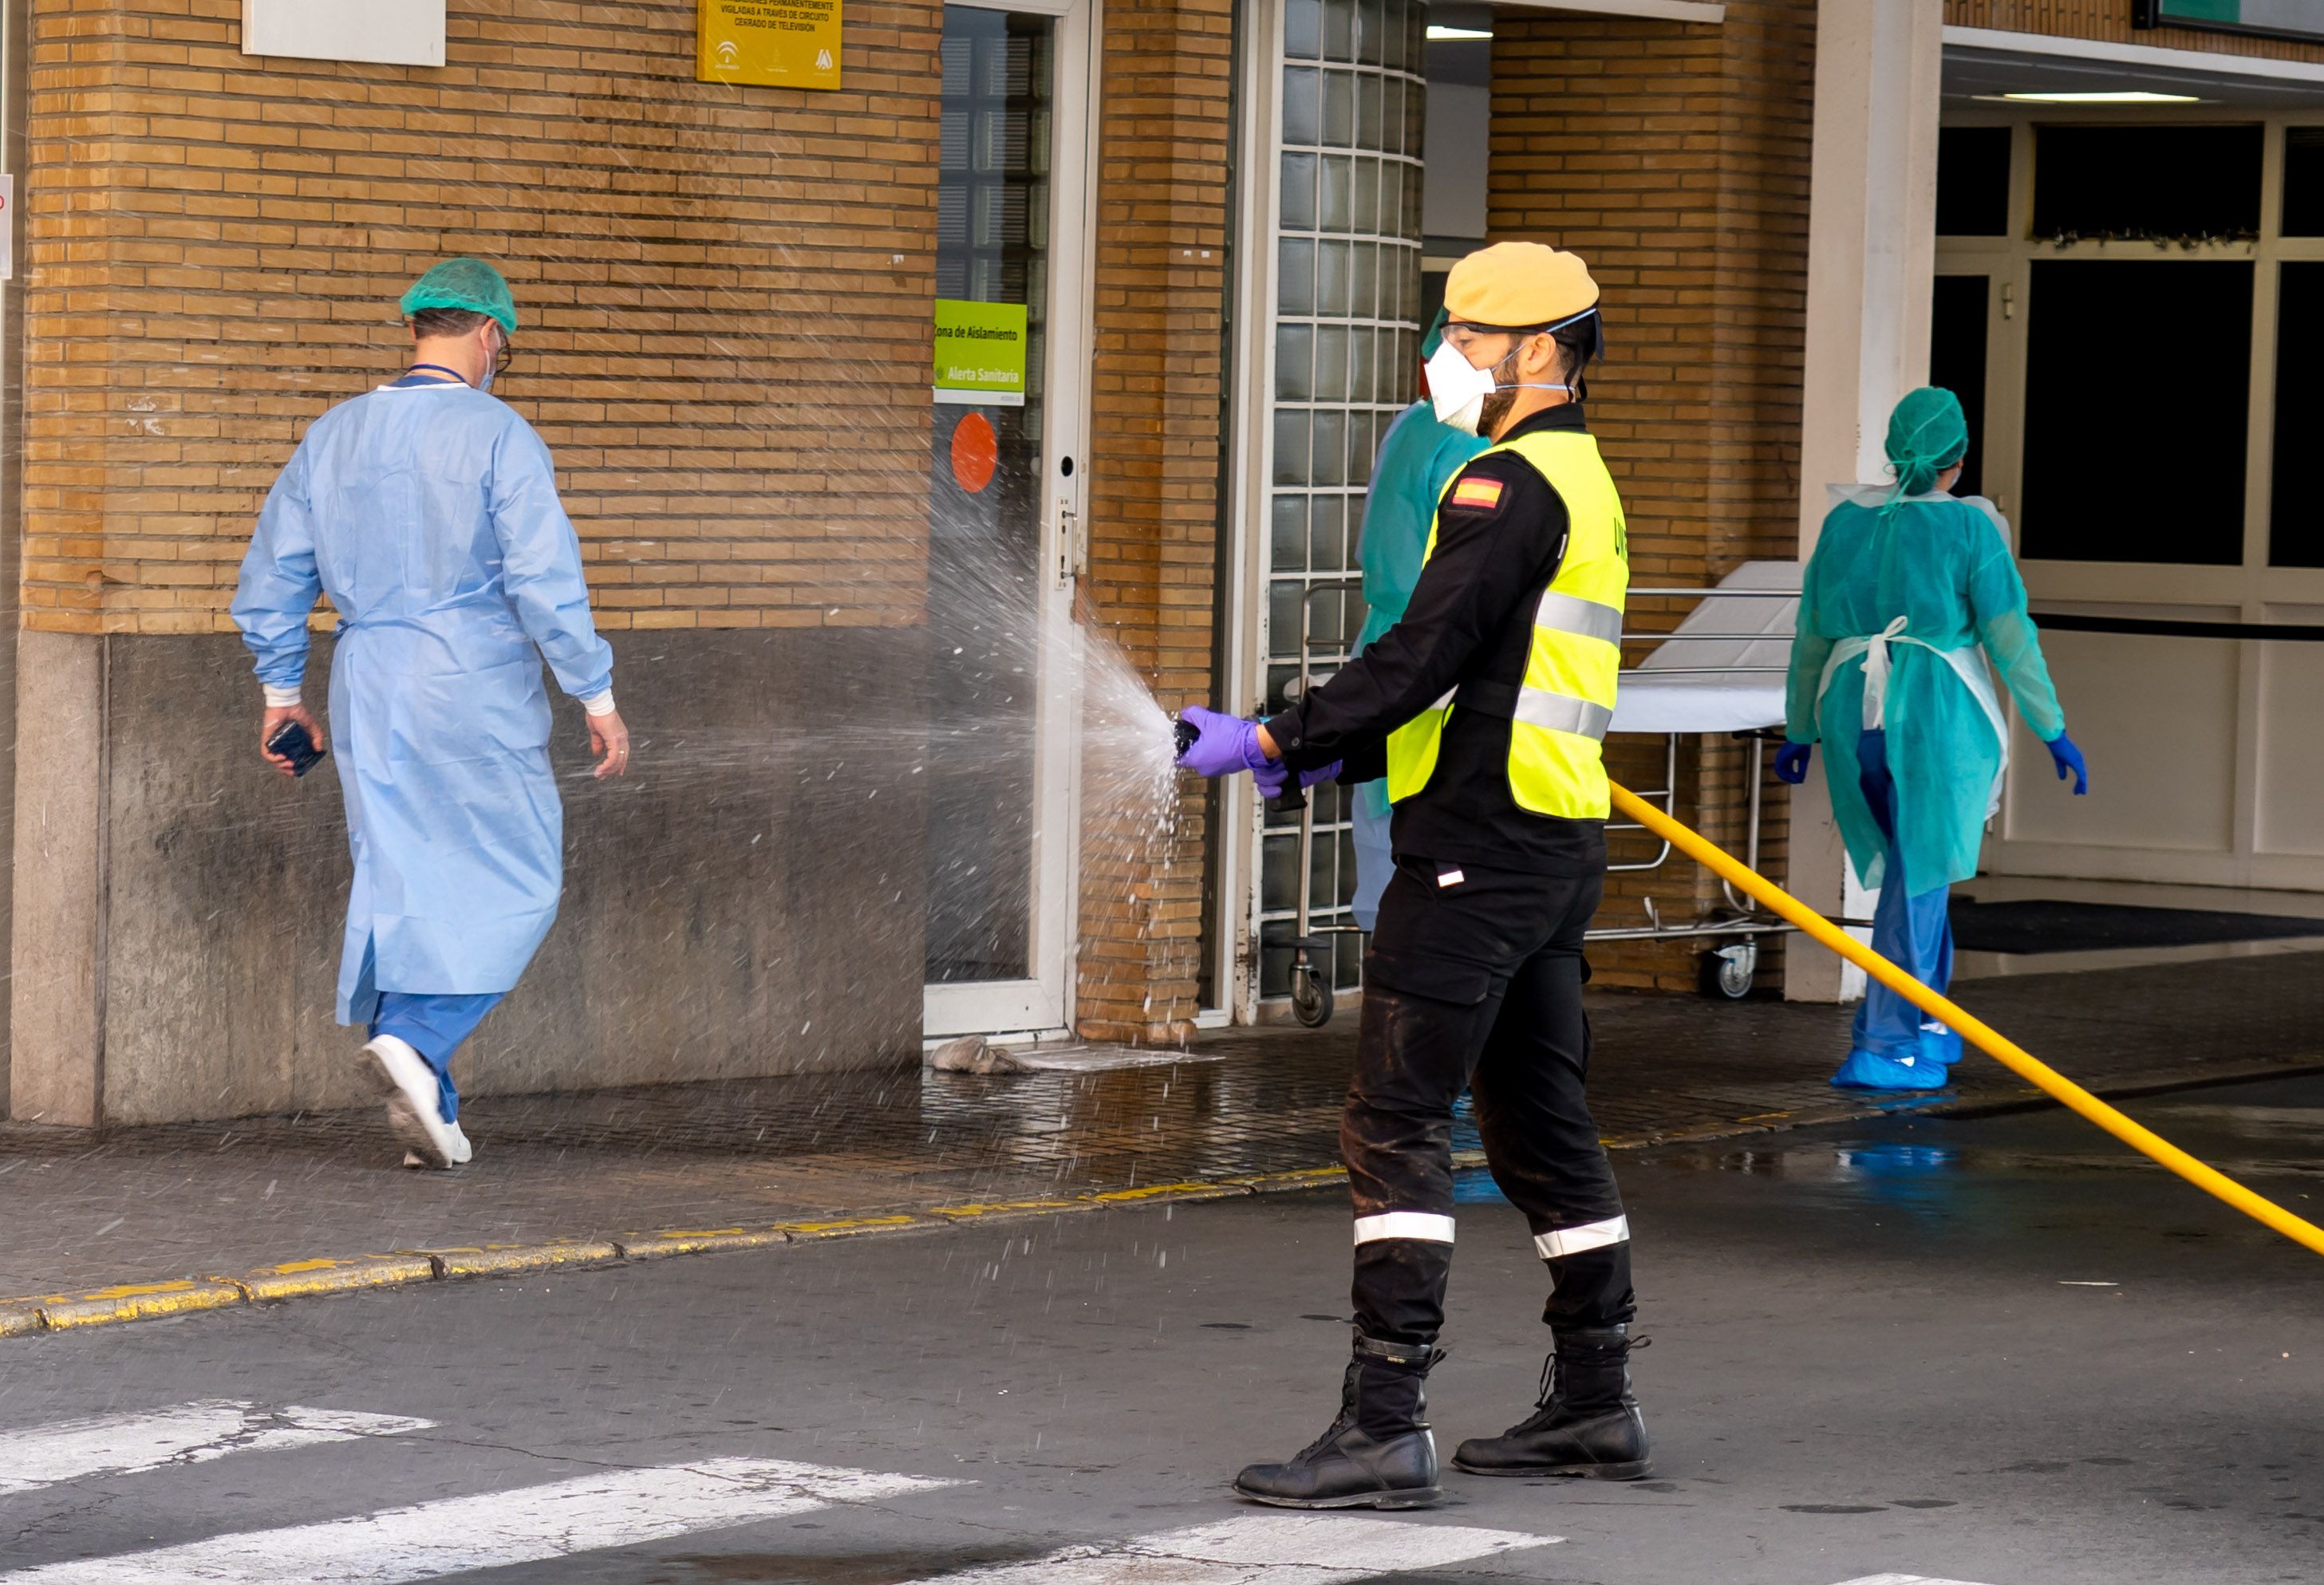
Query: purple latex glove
1228 743
1274 778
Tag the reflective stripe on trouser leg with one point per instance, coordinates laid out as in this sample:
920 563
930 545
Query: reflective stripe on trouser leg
1425 1225
1533 1114
1396 1137
1590 1235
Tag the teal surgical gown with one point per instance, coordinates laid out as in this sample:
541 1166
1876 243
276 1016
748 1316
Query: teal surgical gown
429 513
1944 565
1416 462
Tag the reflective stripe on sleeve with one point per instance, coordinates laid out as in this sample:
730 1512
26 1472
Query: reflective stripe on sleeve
1570 613
1590 1235
1425 1225
1563 713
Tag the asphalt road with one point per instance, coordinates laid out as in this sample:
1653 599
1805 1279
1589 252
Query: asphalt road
1998 1351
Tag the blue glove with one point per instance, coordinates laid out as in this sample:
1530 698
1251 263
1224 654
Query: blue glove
1274 779
2066 758
1792 763
1228 743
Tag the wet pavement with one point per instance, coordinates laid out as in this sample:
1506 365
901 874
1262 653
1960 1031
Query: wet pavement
221 1199
1996 1349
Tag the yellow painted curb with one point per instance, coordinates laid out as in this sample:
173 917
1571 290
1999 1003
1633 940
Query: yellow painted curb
849 1227
296 1279
1309 1177
1159 1191
18 1320
1174 1194
517 1260
1003 1208
683 1241
142 1301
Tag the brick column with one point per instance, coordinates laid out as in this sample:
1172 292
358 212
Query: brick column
1674 157
1159 380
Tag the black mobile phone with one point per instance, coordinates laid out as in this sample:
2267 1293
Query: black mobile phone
293 742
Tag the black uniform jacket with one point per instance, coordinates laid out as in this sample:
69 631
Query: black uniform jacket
1469 618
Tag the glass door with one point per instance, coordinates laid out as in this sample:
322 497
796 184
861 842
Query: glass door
1004 515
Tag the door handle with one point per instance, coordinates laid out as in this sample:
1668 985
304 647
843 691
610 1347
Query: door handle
1073 545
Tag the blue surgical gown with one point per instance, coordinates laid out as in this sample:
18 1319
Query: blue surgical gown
1943 564
429 513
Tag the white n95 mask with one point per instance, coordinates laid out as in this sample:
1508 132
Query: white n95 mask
1457 388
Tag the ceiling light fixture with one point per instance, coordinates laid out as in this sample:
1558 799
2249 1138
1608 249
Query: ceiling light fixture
1438 35
2109 97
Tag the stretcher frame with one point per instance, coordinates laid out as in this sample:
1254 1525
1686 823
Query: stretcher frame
1728 972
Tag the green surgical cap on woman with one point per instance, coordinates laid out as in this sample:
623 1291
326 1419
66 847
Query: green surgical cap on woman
470 284
1926 434
1435 337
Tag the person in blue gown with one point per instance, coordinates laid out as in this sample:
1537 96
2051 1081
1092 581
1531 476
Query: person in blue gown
427 509
1908 594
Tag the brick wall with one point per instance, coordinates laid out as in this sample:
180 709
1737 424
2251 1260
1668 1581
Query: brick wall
1164 137
1675 157
216 243
2110 20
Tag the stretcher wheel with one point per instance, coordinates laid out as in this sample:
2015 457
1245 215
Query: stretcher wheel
1728 972
1311 994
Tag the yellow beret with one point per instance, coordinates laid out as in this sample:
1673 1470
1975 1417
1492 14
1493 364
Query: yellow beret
1517 284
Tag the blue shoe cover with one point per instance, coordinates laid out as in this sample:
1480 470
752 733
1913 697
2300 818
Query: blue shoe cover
1865 1071
1939 1044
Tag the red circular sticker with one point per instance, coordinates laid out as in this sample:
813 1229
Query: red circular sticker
975 452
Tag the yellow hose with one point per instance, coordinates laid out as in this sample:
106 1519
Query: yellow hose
1975 1031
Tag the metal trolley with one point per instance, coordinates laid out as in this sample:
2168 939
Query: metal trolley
1734 690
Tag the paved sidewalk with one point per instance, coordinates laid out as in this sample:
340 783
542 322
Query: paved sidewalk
230 1198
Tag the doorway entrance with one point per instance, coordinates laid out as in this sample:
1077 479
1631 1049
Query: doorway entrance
2130 304
1004 509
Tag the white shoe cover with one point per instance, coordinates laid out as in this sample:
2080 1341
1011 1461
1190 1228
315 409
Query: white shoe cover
404 1077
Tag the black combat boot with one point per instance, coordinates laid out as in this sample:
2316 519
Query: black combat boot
1587 1422
1377 1455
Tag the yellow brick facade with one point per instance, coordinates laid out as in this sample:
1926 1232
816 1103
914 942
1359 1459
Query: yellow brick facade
1673 156
724 290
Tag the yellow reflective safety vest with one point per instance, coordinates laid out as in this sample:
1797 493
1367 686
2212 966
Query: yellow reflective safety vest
1560 712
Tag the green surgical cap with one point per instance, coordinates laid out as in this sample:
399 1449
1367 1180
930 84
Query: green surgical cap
464 283
1926 434
1435 337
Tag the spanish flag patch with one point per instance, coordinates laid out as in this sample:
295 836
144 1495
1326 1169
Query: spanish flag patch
1477 494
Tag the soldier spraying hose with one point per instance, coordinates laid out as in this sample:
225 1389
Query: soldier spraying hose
1482 710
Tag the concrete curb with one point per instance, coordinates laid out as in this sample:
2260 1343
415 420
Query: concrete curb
312 1278
302 1279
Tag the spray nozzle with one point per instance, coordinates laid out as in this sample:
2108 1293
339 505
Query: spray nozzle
1186 732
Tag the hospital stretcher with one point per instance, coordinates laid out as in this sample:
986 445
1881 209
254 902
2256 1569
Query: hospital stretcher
1719 673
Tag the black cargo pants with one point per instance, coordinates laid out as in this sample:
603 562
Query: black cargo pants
1473 980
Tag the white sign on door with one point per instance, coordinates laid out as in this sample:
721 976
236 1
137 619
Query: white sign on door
394 33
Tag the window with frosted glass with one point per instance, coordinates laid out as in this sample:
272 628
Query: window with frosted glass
1347 345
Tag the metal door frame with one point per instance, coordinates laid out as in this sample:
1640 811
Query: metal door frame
1044 1003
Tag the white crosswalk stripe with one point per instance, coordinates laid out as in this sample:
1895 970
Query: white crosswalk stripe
188 1434
533 1523
1257 1549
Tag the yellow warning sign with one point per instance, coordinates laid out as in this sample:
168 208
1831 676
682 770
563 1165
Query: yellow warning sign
780 43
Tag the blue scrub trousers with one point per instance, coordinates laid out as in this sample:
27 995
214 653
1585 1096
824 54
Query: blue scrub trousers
434 1027
1375 862
1896 1046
